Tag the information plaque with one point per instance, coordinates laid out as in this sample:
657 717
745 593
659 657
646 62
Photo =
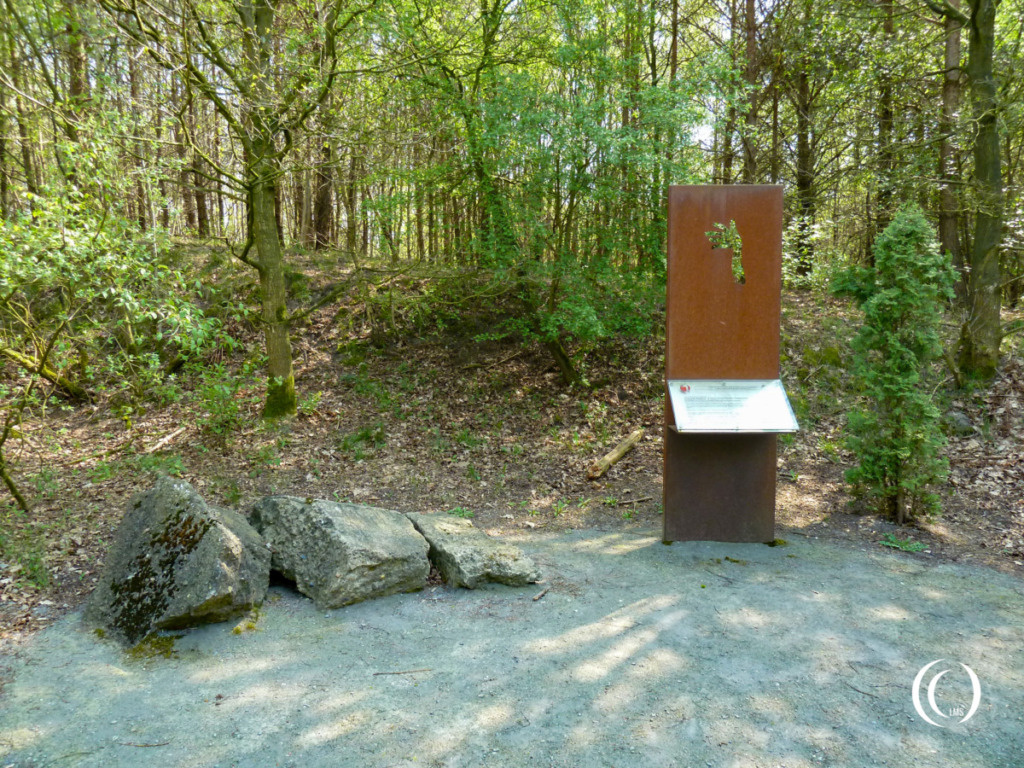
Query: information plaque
731 405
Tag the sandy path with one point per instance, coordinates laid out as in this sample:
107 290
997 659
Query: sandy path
738 656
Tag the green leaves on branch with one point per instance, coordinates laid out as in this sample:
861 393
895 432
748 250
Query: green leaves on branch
75 265
894 431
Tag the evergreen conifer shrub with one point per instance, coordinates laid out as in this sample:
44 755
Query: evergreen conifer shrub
895 431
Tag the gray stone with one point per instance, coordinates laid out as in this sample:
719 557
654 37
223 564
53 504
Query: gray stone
467 557
339 554
177 562
958 423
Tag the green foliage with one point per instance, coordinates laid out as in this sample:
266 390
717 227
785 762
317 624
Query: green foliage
364 441
232 493
309 403
45 482
894 431
264 457
73 265
460 512
103 471
563 152
565 303
904 545
23 548
162 464
727 237
468 439
363 384
828 264
223 398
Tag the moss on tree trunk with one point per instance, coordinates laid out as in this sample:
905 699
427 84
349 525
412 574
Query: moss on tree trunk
281 399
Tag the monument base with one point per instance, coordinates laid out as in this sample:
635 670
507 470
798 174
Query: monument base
719 487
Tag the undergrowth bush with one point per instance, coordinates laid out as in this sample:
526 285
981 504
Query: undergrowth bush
568 307
74 267
894 430
801 271
22 547
222 398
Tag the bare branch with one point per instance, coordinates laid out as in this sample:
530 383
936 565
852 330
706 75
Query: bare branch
944 8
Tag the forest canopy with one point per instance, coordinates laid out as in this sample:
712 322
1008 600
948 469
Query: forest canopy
515 152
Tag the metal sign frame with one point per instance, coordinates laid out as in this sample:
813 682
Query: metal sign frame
723 310
731 405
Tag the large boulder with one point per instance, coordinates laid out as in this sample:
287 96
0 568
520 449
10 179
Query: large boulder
467 557
175 563
339 554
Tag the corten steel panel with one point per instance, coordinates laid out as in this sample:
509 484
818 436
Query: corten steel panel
721 487
718 329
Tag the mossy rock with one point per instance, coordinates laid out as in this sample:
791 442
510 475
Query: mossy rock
177 563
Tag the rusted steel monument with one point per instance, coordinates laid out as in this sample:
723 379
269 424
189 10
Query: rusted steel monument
725 403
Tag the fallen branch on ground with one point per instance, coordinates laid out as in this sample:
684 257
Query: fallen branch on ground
164 441
634 501
488 366
131 744
42 369
601 466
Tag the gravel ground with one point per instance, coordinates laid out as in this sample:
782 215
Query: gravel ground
695 654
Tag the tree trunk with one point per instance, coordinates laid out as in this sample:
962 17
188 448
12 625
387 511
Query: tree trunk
727 149
219 229
198 182
32 181
6 210
776 160
982 333
165 203
279 214
184 174
673 54
202 212
323 207
750 73
570 376
806 203
32 365
140 204
262 166
351 232
300 207
364 229
78 69
281 400
886 148
420 207
949 208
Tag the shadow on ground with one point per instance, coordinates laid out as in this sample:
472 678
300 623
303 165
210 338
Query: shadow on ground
693 654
